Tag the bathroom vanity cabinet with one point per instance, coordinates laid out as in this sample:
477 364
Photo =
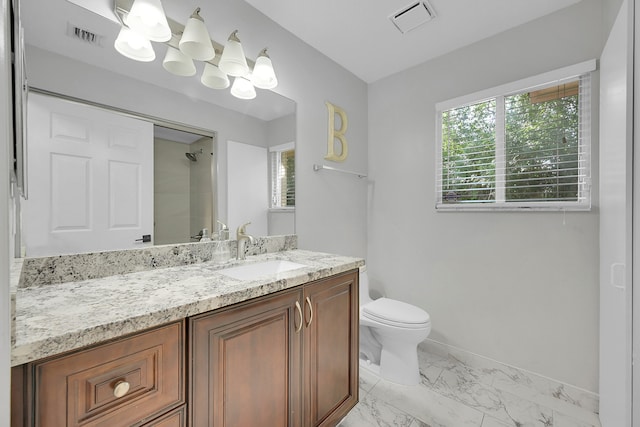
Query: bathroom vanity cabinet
284 360
289 358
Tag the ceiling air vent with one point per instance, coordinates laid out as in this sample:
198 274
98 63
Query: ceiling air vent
412 16
84 35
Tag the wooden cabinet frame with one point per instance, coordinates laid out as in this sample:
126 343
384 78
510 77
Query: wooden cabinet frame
307 337
284 359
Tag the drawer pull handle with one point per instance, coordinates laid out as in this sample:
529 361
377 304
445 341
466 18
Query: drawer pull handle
121 388
300 313
310 312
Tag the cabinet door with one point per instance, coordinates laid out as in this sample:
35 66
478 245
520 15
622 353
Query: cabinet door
331 348
246 364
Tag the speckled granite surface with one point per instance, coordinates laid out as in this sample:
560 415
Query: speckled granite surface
14 278
77 267
61 317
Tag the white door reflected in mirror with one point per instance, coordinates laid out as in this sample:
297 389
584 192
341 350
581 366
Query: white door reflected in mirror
247 187
91 175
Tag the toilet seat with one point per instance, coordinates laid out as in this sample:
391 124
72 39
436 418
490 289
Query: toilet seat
396 313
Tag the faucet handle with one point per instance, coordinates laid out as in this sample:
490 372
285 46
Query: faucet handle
223 226
242 228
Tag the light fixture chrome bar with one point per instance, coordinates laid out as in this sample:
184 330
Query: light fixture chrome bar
317 168
122 8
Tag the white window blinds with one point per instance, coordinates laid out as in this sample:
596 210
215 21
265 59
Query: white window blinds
522 149
283 191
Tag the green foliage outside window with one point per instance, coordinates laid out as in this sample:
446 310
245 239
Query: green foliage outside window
289 178
468 153
541 150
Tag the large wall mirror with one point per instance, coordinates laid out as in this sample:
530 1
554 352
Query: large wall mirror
235 168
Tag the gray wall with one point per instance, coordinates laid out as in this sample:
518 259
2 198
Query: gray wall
610 9
282 130
521 288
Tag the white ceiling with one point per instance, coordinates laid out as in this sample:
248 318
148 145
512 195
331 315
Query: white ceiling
359 35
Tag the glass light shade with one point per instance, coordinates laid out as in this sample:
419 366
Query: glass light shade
132 45
147 18
178 63
196 41
263 75
214 78
233 61
243 89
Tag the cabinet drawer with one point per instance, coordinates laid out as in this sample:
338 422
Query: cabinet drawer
125 383
176 418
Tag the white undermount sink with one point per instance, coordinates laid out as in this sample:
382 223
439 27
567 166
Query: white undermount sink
265 268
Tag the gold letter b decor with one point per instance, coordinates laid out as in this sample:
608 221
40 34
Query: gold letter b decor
336 134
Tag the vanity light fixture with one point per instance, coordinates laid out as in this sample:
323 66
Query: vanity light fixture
184 44
233 61
134 46
195 41
263 76
178 63
214 78
147 18
243 89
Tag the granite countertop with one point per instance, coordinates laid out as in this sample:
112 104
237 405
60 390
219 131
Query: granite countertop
60 317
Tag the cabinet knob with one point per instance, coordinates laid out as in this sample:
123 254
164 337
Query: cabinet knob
121 388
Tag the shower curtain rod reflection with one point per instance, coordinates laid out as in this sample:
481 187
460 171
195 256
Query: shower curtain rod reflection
317 167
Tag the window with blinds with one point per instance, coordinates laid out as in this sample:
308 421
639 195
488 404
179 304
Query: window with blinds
522 149
283 176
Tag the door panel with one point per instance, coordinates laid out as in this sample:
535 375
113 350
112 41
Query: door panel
70 128
124 195
70 179
91 174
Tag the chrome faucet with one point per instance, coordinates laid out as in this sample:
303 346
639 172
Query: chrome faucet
242 237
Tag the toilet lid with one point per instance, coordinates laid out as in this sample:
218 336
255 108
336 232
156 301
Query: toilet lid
394 312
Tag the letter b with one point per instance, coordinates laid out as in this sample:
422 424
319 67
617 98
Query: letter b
336 134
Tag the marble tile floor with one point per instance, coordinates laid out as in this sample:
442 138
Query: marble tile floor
459 390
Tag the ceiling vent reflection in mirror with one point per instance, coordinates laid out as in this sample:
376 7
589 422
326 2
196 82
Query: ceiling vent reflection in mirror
83 35
144 21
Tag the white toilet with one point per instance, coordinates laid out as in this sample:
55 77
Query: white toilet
390 332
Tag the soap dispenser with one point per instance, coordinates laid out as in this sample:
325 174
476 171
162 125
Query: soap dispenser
221 252
223 232
205 235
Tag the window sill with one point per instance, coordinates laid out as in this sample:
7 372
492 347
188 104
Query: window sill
282 210
508 207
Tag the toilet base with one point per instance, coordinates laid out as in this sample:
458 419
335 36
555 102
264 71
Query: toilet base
394 350
401 368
